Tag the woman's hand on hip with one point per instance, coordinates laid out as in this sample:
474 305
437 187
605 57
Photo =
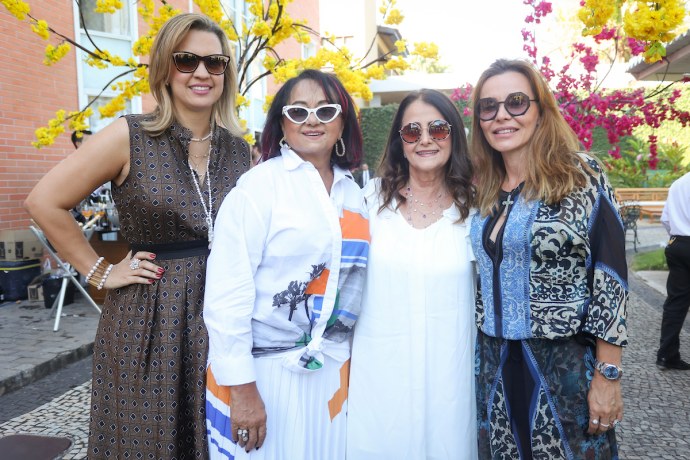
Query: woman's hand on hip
134 269
247 416
605 402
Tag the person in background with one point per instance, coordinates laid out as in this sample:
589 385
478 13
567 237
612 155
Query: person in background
550 249
170 171
256 153
285 280
676 219
411 384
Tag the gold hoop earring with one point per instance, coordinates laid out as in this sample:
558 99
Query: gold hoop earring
340 153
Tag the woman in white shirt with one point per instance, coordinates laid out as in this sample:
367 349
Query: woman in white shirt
284 283
411 387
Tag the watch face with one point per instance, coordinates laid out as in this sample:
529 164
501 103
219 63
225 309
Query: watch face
610 372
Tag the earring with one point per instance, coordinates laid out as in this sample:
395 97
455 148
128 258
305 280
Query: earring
283 142
340 153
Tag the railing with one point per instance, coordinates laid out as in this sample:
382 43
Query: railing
650 200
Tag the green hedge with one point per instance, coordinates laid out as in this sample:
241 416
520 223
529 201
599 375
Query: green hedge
376 124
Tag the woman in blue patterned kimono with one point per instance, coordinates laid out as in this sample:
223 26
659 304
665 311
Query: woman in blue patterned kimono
551 254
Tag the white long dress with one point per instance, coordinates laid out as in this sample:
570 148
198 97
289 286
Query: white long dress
412 372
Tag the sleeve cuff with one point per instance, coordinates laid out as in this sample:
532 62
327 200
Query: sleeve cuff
233 371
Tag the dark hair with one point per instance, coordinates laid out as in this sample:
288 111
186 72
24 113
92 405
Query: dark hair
336 94
76 141
394 169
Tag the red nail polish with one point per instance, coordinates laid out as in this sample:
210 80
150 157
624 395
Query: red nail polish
160 270
152 256
152 281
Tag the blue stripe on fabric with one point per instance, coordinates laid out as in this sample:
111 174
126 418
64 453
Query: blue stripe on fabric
346 314
536 374
486 273
317 306
220 449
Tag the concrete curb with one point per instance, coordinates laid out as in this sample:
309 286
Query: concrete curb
45 368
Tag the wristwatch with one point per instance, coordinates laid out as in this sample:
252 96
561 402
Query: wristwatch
609 371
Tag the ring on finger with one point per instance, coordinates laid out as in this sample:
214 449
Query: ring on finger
134 263
615 422
243 434
595 422
605 425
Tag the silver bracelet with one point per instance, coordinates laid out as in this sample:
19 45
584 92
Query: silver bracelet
105 276
93 269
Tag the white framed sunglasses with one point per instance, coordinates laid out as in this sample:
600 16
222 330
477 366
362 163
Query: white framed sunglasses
324 113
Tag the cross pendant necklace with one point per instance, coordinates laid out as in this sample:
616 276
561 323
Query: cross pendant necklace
506 203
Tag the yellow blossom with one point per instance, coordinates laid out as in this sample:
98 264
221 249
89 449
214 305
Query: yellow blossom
426 50
268 101
241 101
401 45
261 29
18 8
249 137
108 6
41 29
54 54
394 17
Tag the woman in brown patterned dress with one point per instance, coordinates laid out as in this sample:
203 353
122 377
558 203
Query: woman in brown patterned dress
170 171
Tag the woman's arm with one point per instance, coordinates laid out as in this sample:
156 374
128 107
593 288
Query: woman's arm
605 397
103 158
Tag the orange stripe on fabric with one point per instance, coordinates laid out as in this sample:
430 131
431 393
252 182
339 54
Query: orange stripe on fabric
219 391
335 405
318 285
354 226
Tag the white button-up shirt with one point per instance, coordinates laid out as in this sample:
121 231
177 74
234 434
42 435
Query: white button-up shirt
287 269
676 214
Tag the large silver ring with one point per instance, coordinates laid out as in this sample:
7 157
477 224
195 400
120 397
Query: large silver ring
243 434
616 422
134 263
595 422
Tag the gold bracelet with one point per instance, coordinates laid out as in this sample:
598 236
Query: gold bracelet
100 271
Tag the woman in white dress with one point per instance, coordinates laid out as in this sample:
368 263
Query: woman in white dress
411 383
284 283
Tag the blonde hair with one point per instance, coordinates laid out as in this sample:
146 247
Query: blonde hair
168 39
552 168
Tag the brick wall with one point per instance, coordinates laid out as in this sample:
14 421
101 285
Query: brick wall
31 93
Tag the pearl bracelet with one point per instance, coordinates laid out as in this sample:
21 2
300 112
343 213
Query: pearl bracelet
93 269
105 276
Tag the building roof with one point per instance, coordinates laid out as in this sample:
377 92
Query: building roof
394 88
674 67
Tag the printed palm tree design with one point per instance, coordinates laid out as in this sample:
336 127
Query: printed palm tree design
295 293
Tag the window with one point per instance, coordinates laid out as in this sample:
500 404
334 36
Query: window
116 23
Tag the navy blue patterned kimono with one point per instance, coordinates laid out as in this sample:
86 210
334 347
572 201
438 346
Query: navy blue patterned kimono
555 282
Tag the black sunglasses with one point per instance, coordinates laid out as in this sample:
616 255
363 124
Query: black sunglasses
516 104
187 62
438 130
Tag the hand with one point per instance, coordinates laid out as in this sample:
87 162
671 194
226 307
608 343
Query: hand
247 412
605 404
144 271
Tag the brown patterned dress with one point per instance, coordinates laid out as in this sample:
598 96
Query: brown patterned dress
149 360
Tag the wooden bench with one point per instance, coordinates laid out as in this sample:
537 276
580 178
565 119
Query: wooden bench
650 200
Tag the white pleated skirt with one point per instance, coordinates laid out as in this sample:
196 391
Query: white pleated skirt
306 413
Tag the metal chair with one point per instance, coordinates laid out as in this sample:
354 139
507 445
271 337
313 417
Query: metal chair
69 275
630 214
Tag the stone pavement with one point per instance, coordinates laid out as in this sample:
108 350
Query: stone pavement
657 403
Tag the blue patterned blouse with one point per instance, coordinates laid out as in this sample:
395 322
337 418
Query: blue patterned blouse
561 268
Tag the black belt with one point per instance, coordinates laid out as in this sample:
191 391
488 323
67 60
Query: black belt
681 237
177 250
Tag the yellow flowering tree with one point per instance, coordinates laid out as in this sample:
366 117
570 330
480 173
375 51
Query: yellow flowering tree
267 25
645 24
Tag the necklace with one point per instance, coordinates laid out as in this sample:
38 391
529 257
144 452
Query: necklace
510 198
425 210
205 138
208 210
